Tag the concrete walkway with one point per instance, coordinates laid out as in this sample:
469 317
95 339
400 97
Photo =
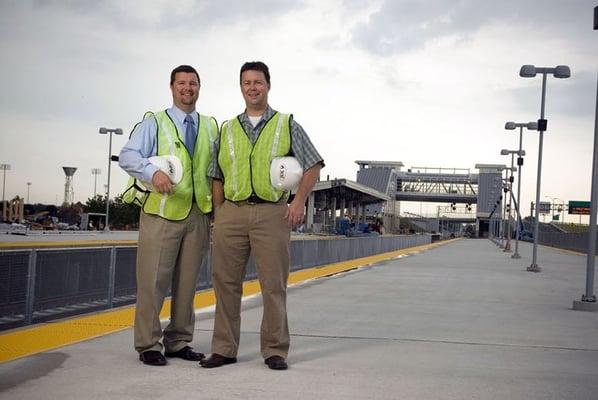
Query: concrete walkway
461 321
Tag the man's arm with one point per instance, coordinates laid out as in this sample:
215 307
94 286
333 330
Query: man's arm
133 157
296 210
312 163
216 175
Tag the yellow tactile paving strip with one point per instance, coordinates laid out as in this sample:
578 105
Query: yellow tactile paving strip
26 341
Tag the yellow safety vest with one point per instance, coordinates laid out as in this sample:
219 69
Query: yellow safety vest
195 184
246 167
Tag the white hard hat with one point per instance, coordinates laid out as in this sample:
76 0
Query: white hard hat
285 173
170 165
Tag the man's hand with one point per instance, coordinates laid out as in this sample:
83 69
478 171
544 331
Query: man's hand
296 209
295 212
161 182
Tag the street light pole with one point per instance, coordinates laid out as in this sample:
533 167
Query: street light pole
95 172
510 184
508 192
28 186
534 265
529 71
104 131
503 211
532 126
588 299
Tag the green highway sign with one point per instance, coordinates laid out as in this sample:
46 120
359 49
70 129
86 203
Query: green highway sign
579 207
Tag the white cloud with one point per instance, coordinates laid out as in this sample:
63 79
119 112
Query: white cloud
426 83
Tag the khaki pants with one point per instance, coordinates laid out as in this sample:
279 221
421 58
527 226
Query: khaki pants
239 229
169 254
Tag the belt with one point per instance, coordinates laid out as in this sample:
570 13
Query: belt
252 200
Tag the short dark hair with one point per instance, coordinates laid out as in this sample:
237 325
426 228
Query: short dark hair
255 66
183 68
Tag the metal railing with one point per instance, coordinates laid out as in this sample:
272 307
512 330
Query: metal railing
569 241
38 285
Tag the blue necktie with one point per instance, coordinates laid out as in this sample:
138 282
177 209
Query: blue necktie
190 134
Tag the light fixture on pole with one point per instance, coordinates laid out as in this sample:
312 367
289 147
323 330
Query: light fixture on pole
4 168
104 131
530 71
95 172
28 187
532 126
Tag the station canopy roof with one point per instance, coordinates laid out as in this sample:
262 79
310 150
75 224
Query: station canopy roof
351 191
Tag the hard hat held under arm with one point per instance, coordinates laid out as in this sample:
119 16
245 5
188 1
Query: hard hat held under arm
285 173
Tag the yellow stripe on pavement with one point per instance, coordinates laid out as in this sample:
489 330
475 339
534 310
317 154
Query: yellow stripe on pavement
23 342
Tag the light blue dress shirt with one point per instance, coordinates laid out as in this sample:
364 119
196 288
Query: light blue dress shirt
142 144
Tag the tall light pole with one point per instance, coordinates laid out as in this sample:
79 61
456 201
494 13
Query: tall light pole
4 168
530 71
28 187
503 208
520 153
505 231
95 172
104 131
532 126
588 299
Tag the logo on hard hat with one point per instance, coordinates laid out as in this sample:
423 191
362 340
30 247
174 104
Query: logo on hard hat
170 165
282 173
285 173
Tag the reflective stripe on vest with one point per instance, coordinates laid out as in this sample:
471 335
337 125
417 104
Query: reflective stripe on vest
177 205
246 167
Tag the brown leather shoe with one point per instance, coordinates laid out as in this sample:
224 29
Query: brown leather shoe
153 358
217 360
186 353
276 362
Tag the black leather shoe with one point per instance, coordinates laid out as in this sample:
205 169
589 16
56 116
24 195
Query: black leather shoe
186 353
216 360
276 362
152 357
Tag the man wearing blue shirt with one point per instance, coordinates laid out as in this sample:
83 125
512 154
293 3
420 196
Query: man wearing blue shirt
174 223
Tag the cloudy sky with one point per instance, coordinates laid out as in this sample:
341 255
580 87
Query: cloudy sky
428 83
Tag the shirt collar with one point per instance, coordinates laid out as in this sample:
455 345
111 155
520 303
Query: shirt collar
244 118
180 115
